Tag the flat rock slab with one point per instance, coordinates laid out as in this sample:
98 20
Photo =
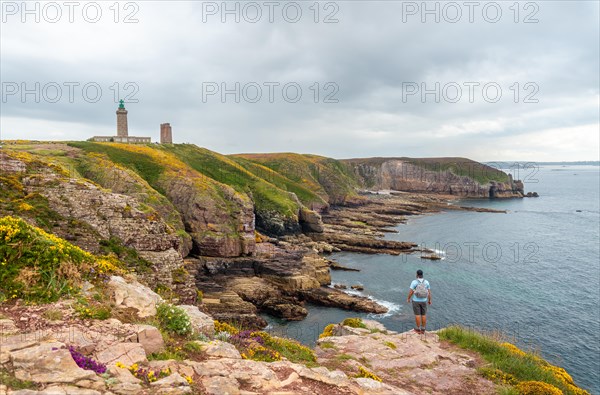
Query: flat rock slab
47 363
126 353
417 364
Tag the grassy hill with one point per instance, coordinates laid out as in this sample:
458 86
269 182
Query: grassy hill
276 185
325 177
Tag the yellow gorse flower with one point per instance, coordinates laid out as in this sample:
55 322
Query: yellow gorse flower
514 349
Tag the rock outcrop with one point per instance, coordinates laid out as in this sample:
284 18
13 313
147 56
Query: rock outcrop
89 216
134 295
310 221
419 364
277 280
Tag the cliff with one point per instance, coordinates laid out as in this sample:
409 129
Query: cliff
106 246
167 211
453 176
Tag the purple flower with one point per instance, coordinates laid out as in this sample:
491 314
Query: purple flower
86 363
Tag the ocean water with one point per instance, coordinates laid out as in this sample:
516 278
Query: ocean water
533 273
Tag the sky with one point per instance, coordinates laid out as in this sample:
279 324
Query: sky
485 80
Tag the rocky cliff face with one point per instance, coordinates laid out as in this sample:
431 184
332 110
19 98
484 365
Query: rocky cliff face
92 217
452 176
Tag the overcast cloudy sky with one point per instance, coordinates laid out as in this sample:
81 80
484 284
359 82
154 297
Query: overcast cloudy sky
516 82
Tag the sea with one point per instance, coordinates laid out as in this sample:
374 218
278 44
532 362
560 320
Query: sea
532 274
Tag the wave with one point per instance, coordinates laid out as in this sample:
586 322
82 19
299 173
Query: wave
391 306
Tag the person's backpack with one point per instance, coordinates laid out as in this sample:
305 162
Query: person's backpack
421 290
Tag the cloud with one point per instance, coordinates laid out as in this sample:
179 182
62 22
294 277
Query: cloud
369 58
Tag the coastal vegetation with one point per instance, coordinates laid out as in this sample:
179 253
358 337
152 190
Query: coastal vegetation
511 366
40 267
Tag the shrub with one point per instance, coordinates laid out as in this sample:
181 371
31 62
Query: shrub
290 349
9 380
513 349
498 376
252 346
537 388
225 327
354 323
41 267
93 312
327 332
223 336
201 337
173 319
362 372
513 363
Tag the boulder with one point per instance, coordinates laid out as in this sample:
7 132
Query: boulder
126 388
150 338
219 349
310 221
134 295
123 375
47 363
126 353
201 323
218 385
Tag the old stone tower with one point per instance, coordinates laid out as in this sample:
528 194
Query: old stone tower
166 135
122 120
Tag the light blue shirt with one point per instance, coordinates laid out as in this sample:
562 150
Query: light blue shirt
413 285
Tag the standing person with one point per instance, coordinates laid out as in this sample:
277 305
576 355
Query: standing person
420 294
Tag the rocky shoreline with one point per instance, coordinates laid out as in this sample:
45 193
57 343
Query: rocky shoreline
198 241
290 271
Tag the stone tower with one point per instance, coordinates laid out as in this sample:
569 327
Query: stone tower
166 135
122 120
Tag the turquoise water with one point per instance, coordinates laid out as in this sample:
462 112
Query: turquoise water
533 273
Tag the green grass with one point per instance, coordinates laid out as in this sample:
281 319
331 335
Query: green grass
14 383
344 357
326 177
522 366
507 391
142 164
305 195
327 345
291 349
166 355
